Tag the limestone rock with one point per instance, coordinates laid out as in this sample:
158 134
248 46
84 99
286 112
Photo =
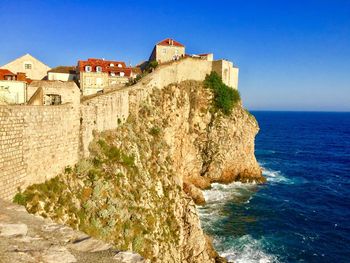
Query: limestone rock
9 230
58 255
88 244
129 257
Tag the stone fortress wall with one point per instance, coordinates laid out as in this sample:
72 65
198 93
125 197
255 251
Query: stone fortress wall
39 142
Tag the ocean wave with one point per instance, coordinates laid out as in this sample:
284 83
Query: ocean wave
222 193
246 249
276 177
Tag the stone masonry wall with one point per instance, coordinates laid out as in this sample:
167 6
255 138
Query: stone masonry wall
36 143
100 113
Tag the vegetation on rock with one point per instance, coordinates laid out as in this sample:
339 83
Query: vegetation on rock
225 98
137 189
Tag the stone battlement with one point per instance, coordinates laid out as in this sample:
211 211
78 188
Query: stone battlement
38 142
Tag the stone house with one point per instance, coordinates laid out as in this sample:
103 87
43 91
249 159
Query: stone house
94 75
63 73
227 71
167 50
32 67
53 92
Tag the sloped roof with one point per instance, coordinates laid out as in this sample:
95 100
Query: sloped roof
64 69
26 56
105 64
170 42
5 72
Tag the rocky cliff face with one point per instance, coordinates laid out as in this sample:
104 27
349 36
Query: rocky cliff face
139 187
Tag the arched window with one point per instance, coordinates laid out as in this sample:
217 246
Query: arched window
111 65
98 69
122 74
88 68
120 65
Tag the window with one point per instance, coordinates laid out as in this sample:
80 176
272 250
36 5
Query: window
122 74
52 99
112 74
176 51
27 66
164 50
99 81
111 65
120 65
88 68
98 69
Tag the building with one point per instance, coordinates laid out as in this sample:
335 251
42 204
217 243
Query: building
13 87
32 67
63 73
227 71
97 74
55 92
167 50
208 56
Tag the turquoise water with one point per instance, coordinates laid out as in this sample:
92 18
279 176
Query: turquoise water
302 213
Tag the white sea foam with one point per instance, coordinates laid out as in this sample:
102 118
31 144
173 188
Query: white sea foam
276 177
246 249
243 249
222 193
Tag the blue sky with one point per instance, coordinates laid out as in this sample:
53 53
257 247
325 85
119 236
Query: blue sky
293 55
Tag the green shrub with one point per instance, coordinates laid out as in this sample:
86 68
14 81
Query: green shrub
225 98
155 131
20 198
128 160
68 170
152 65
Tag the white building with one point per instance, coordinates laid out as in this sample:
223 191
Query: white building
62 73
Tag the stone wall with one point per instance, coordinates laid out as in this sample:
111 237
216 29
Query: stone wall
36 143
101 113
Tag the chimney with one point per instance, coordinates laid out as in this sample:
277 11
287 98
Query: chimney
21 76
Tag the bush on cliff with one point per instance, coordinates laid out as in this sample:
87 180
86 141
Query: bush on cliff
225 98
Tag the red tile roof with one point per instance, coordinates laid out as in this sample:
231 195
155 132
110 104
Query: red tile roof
5 72
106 66
20 76
170 42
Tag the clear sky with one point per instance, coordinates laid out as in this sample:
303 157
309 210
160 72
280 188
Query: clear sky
293 55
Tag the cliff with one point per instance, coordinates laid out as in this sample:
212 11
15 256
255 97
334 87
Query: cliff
135 189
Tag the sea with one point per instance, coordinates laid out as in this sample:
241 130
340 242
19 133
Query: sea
302 212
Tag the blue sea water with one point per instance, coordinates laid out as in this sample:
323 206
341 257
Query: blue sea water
302 213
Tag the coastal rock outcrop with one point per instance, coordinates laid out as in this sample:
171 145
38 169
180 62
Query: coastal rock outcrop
138 188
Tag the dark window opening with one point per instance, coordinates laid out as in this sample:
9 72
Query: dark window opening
52 99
